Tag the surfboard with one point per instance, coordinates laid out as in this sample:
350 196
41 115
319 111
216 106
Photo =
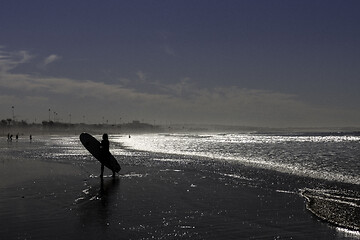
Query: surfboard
93 146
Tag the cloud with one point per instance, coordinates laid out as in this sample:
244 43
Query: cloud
10 60
183 88
64 87
51 58
179 102
7 99
141 75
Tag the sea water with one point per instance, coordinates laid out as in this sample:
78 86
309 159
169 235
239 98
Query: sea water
328 157
317 156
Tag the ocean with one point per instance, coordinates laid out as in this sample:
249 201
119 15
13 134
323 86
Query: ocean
327 157
184 185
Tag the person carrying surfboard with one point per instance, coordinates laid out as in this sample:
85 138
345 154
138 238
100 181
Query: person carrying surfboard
105 153
100 150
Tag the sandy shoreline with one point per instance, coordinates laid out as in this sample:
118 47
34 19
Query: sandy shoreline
65 200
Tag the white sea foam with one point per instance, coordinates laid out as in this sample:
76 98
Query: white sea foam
348 233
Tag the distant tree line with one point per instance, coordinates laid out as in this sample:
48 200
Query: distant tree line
9 122
60 125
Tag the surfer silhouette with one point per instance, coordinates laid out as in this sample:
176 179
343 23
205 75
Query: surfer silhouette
105 153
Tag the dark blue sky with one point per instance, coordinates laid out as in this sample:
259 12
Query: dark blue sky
268 63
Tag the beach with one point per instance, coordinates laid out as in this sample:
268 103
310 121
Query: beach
49 194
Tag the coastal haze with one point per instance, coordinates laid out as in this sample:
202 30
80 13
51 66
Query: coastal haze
247 63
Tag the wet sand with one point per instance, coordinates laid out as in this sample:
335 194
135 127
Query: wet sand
49 200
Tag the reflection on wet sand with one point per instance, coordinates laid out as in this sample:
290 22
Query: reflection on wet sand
99 204
108 187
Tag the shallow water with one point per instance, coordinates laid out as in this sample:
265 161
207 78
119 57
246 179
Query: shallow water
326 157
177 186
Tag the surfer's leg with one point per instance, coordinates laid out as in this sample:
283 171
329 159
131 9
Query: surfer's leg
102 170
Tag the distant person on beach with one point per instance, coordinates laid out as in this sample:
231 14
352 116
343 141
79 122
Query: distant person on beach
104 151
30 138
17 137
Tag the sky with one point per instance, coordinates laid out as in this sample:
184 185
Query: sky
268 63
